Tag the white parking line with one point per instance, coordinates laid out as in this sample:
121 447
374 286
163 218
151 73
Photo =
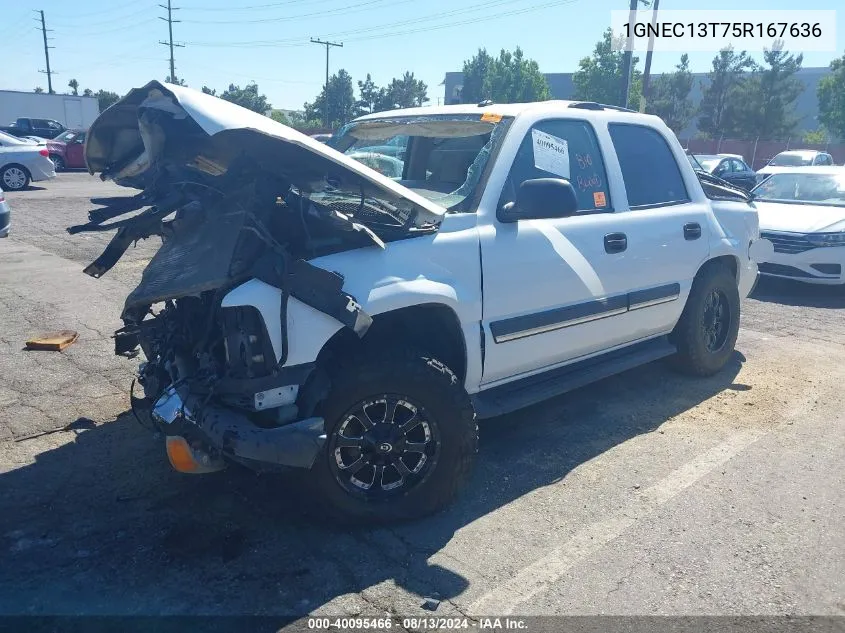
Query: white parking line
543 573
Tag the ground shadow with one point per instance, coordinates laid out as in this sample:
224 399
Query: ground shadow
102 525
796 293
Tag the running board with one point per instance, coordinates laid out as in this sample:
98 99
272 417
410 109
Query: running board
527 391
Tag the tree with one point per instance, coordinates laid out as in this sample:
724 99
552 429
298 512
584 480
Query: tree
816 137
106 98
369 96
599 77
831 94
508 78
671 97
279 116
406 92
335 105
720 95
178 82
209 91
88 92
247 97
766 106
73 85
38 89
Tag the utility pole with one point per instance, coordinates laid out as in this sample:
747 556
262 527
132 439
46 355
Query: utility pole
629 53
46 54
647 69
326 93
169 19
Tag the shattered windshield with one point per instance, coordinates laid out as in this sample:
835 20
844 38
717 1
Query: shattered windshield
440 157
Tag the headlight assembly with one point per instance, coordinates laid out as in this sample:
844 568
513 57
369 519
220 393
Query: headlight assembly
827 239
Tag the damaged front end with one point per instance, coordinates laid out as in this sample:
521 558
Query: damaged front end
237 200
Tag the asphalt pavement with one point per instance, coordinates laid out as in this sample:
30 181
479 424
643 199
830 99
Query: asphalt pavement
645 494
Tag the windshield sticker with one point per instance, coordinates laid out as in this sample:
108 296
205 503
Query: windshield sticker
491 117
551 153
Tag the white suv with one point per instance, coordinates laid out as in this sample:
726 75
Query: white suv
311 312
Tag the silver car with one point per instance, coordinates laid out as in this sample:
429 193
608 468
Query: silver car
22 162
5 216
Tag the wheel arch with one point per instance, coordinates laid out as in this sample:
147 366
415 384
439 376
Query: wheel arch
431 327
730 261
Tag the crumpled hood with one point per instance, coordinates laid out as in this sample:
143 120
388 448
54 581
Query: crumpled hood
800 218
123 146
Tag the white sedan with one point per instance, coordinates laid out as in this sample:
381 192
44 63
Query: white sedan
802 213
23 161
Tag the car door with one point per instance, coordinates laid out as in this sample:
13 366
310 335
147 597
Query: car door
742 174
559 289
74 152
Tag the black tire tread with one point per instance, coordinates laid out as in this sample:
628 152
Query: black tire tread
372 367
691 358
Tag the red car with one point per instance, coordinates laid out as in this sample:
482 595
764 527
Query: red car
67 150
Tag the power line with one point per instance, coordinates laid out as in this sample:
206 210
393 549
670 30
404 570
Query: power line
82 16
46 53
169 19
354 8
380 28
256 6
86 23
328 45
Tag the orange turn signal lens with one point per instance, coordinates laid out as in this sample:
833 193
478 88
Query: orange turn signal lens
180 455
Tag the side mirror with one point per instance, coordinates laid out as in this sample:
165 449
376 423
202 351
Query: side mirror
540 198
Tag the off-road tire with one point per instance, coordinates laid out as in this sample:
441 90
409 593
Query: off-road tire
694 357
447 406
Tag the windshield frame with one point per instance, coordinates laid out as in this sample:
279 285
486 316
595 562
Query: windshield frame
786 174
468 204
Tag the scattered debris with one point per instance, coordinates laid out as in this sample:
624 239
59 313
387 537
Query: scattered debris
53 341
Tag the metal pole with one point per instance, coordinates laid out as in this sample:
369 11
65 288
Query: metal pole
647 69
46 54
326 121
629 53
754 155
170 33
169 19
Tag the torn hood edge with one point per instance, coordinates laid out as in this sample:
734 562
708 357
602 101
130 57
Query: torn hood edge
214 115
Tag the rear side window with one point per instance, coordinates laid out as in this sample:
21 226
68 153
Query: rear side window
649 168
562 148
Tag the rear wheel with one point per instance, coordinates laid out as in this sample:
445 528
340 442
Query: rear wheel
14 178
58 162
401 439
707 331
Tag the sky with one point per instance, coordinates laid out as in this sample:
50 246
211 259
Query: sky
114 44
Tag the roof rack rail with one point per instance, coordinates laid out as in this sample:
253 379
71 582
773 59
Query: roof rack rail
592 105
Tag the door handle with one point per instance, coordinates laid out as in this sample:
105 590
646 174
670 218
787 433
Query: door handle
692 231
615 242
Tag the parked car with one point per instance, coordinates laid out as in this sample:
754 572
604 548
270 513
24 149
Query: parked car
729 167
323 316
67 150
45 128
802 212
794 158
22 162
5 216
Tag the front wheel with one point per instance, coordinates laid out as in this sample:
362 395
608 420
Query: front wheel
706 333
401 439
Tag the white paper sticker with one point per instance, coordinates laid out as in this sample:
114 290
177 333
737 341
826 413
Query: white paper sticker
551 153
